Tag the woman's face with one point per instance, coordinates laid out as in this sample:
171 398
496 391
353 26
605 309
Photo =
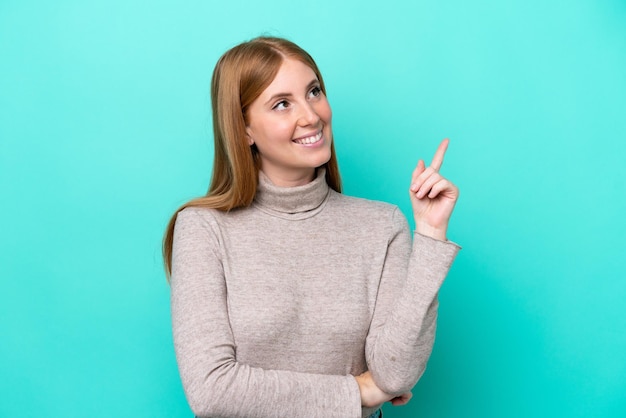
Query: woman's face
290 123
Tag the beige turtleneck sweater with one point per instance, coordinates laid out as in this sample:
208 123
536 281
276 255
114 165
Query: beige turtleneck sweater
275 307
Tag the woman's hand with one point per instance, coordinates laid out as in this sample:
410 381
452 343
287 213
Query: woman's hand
372 396
432 196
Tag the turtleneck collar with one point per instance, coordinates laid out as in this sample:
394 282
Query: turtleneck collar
295 203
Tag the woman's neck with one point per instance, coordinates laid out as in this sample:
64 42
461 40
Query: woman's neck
290 178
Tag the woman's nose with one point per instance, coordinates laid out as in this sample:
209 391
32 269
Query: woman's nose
308 115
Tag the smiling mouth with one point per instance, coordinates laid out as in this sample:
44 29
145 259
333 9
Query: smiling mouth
309 139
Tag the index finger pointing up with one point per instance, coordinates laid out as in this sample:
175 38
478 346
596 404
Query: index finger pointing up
438 158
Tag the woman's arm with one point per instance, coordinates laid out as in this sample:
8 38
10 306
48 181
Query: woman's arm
215 383
402 332
403 328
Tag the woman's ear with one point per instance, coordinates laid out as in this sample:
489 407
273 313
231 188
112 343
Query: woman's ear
249 136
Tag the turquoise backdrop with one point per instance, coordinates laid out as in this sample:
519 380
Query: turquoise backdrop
105 129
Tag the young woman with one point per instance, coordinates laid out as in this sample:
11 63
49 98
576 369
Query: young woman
290 299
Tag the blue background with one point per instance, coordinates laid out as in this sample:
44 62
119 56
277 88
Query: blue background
105 129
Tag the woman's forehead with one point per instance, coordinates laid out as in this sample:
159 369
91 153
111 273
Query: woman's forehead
292 75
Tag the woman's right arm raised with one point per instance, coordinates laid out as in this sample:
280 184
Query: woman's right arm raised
216 385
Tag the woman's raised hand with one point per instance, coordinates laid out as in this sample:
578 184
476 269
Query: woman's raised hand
432 196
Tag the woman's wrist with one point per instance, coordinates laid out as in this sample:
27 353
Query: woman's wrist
431 231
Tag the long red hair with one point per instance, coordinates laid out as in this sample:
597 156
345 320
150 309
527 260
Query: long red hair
240 76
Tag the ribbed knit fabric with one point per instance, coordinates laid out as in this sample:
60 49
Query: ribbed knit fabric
276 307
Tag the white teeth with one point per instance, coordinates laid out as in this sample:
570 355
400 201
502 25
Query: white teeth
309 139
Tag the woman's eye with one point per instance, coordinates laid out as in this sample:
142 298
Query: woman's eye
315 91
282 105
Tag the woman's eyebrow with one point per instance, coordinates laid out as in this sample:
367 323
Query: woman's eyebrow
281 95
312 83
278 95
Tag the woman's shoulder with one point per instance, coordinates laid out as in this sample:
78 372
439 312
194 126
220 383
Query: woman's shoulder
362 208
200 216
212 218
197 212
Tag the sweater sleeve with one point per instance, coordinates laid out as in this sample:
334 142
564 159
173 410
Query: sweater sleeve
215 383
402 332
